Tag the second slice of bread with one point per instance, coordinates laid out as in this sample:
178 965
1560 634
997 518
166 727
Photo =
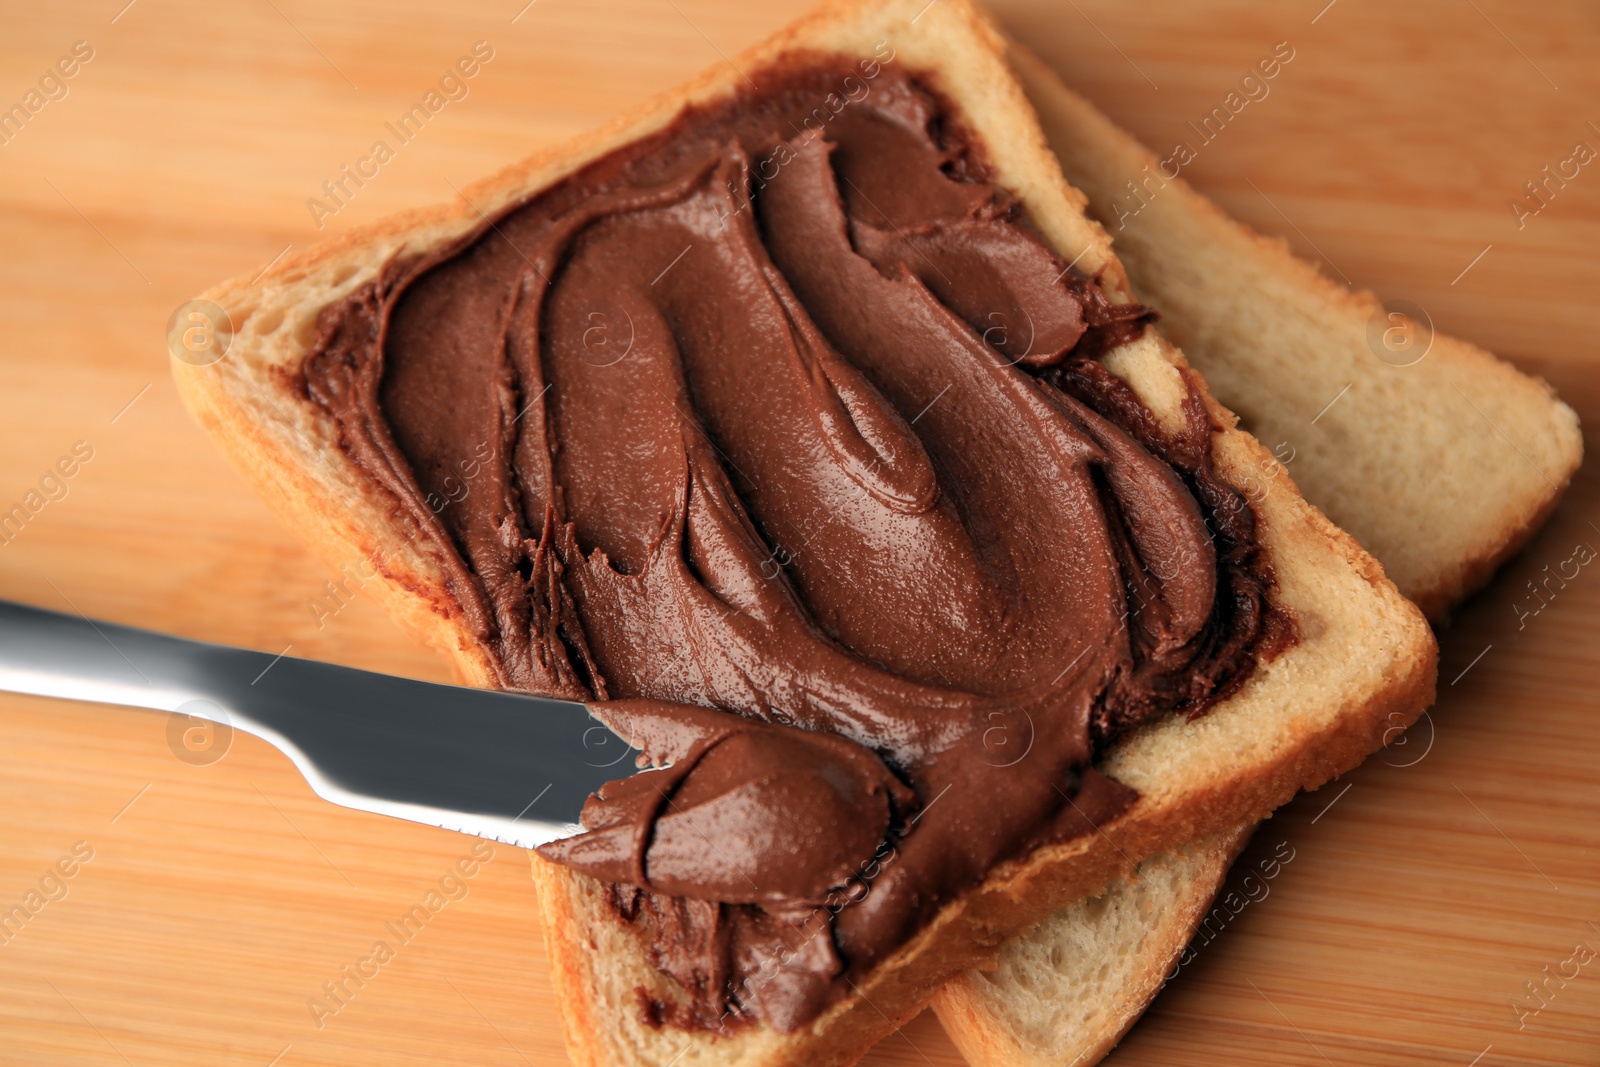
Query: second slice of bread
1063 995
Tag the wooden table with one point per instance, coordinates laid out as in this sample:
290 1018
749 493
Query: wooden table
220 898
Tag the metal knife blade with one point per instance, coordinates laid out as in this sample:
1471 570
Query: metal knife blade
511 767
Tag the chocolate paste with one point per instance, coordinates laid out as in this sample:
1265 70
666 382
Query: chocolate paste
779 435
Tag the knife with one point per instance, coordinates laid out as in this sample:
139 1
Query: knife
511 767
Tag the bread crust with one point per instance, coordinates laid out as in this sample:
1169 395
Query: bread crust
1365 663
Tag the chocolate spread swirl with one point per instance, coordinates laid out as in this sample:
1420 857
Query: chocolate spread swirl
779 435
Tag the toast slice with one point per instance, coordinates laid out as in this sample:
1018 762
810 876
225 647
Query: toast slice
1440 513
1066 992
1363 663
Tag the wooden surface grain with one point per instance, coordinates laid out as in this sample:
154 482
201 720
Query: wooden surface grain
1428 889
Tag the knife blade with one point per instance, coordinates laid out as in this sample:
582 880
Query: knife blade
512 767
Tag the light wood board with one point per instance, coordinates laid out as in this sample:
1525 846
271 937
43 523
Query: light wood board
220 898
